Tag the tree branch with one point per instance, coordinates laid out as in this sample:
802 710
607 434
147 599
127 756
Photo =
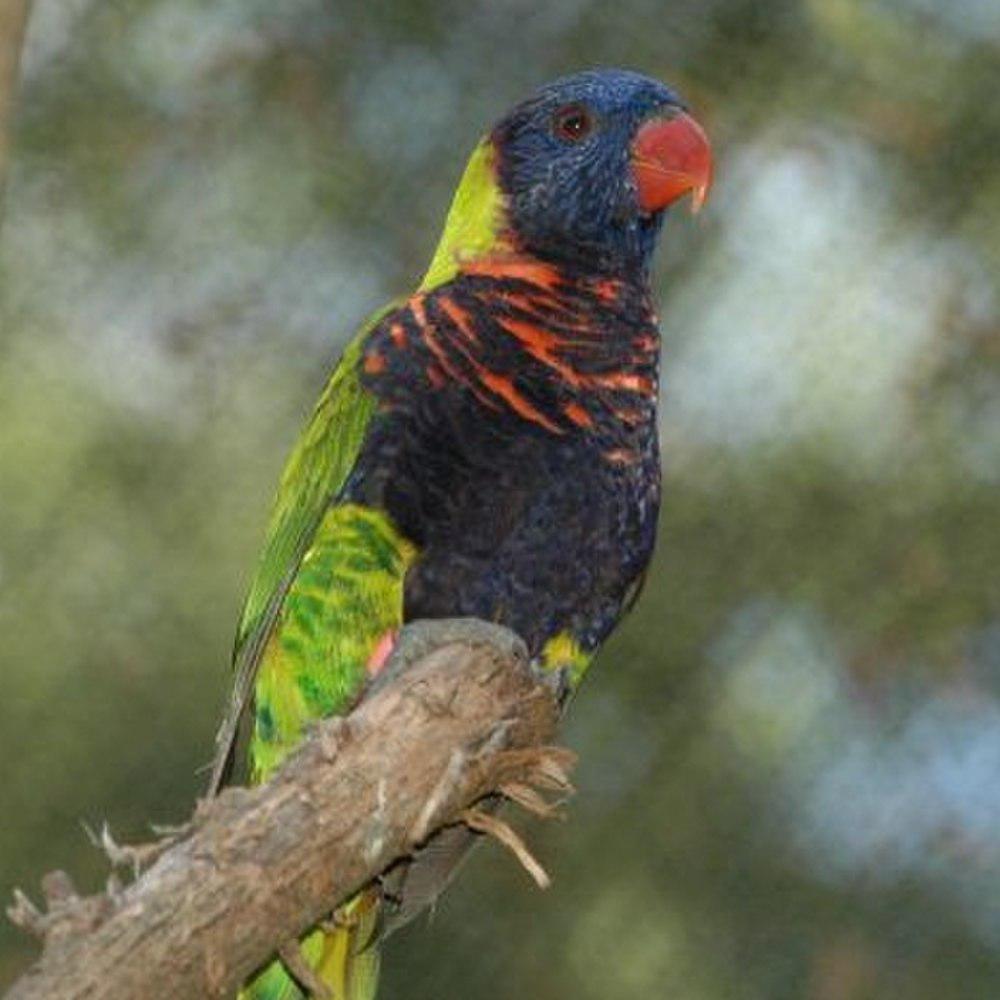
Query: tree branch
258 867
13 22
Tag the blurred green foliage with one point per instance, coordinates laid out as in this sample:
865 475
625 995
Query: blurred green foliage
788 784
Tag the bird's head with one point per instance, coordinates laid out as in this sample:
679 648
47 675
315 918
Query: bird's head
580 173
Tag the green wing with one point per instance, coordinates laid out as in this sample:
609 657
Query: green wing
315 472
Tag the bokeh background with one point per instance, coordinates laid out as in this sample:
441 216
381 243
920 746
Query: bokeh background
790 755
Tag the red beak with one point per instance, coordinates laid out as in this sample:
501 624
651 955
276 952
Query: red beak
670 157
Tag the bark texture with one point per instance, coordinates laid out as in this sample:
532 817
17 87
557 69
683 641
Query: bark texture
257 867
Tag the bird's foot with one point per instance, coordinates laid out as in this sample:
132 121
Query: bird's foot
559 680
414 641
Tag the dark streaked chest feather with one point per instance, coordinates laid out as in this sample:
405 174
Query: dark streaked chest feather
517 447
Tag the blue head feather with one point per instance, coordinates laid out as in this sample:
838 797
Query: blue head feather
569 191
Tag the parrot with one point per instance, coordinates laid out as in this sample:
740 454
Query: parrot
486 448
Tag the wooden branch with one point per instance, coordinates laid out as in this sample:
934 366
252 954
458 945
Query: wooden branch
258 867
13 23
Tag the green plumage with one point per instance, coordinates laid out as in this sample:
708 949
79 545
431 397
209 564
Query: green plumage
346 595
327 587
314 473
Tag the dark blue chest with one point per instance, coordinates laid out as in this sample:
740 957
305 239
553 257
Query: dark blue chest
541 535
526 471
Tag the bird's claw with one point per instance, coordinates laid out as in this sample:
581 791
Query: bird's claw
419 638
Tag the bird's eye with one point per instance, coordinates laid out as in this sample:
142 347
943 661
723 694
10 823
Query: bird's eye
573 123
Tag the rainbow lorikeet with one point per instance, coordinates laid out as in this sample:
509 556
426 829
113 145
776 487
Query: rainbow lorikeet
486 447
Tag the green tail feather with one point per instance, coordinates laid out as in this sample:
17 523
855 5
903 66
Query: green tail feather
345 958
